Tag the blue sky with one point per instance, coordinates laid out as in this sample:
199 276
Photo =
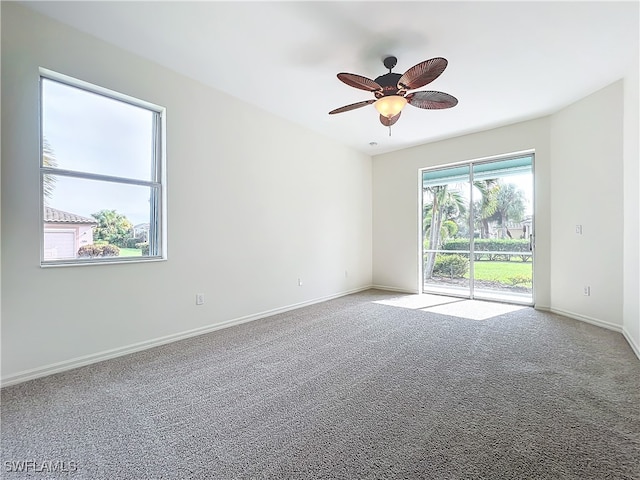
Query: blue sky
92 133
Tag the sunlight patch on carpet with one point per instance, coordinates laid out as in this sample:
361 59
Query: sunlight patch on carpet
417 302
474 309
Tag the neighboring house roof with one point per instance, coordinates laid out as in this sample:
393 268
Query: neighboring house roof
53 215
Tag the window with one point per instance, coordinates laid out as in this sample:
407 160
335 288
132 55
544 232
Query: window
101 175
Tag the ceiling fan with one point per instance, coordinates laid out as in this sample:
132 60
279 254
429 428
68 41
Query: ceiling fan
391 90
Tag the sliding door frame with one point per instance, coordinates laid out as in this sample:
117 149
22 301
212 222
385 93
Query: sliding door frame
471 164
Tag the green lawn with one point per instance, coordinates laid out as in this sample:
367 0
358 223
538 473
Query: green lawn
130 252
503 272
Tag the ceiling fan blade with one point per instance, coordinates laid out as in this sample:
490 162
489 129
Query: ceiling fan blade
387 122
421 74
431 100
358 81
353 106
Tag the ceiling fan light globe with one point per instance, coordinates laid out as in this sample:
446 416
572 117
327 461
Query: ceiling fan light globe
390 105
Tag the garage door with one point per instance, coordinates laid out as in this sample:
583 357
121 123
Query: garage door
59 244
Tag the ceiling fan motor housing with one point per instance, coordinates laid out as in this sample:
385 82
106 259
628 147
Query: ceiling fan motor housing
389 84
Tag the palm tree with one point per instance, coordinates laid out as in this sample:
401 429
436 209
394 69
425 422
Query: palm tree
486 207
445 205
510 205
49 181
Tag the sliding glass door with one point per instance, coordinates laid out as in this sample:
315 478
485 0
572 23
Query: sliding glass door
477 230
446 202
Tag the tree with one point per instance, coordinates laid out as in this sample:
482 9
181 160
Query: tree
113 227
445 205
487 205
48 160
510 205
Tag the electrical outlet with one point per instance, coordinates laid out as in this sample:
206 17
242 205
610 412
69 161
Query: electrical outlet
579 229
586 291
299 282
199 298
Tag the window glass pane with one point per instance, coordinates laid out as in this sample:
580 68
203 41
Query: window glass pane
97 213
101 174
88 132
503 168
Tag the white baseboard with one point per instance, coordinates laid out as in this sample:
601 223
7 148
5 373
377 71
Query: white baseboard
394 289
634 346
136 347
587 319
597 322
82 361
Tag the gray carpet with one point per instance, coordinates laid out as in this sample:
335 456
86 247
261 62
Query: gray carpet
346 389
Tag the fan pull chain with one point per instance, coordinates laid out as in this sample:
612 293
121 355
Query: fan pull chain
389 130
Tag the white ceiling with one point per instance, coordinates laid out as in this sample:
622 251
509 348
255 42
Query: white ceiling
508 61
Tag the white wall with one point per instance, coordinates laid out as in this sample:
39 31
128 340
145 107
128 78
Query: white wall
587 190
631 276
578 181
254 202
396 193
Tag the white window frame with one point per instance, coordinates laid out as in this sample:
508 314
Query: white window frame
157 184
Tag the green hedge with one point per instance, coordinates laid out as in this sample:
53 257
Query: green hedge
144 247
492 245
131 242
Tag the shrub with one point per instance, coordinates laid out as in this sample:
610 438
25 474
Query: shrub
110 251
144 246
98 250
132 242
454 266
93 250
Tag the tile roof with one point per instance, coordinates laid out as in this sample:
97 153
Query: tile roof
53 215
